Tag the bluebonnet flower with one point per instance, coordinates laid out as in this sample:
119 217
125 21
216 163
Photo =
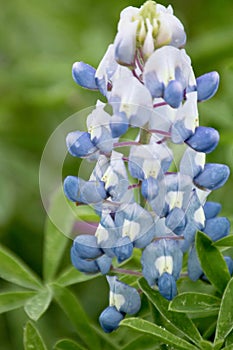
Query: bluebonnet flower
123 300
161 265
147 28
87 257
168 73
149 84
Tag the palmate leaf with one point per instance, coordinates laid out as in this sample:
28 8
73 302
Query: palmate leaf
212 262
74 311
32 339
159 333
71 276
66 344
180 321
195 303
55 240
14 300
38 304
14 270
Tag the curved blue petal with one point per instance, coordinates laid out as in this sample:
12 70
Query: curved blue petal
194 267
167 286
176 220
212 209
123 248
86 247
110 319
86 266
149 188
84 75
174 93
217 228
79 144
126 299
204 139
207 85
213 176
104 263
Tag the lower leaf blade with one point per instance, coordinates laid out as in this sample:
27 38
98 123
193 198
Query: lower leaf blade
66 344
70 305
32 339
159 333
13 300
225 317
38 304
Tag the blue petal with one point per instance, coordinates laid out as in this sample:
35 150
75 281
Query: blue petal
167 286
176 220
213 176
119 124
212 209
194 267
104 263
155 87
84 75
78 190
87 266
123 248
217 228
149 188
79 144
207 85
229 263
110 319
86 247
179 132
174 93
130 302
204 139
71 187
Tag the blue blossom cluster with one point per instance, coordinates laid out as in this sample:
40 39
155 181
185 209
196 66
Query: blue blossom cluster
148 83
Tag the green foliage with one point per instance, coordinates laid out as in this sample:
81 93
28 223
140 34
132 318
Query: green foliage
32 338
212 262
40 41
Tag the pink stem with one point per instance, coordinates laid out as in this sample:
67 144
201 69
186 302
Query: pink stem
156 105
156 131
127 272
126 143
134 186
175 238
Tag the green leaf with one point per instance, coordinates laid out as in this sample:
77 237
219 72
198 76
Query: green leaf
212 262
206 345
195 303
143 342
158 332
32 339
14 270
229 339
36 306
55 240
225 317
74 311
13 300
224 242
179 321
71 276
66 344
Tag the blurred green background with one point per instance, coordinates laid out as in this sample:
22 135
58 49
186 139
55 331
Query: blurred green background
39 41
